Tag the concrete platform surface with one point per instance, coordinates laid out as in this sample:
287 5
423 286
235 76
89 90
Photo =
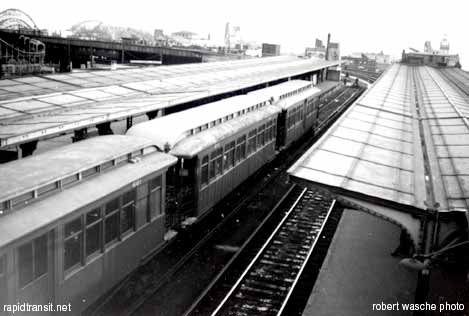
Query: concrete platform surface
359 270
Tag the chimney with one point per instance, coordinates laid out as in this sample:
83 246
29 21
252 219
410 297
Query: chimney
327 47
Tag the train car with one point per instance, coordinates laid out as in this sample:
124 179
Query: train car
76 220
298 101
218 146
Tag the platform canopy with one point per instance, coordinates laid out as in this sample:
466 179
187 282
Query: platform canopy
402 148
41 106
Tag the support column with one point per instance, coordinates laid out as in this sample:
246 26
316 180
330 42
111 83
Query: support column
27 149
104 128
80 134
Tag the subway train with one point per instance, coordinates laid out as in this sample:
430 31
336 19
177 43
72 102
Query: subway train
75 220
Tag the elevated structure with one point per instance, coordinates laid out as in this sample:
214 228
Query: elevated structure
400 152
36 108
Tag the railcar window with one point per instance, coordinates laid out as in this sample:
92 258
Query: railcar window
40 256
154 205
22 199
32 260
106 165
3 207
252 141
47 188
25 264
89 172
228 157
260 136
216 162
111 223
241 148
2 266
204 171
128 211
94 228
73 243
70 179
219 162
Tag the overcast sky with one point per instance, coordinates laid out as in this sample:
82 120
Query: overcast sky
359 26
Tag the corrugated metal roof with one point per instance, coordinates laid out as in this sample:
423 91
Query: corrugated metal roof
192 145
375 151
26 174
30 111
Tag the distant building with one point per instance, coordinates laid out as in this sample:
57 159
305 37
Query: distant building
444 46
184 34
428 47
333 53
270 50
433 59
318 51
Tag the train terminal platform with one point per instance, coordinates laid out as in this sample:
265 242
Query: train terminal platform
401 154
359 270
40 107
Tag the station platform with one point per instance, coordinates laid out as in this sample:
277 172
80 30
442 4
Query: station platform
359 270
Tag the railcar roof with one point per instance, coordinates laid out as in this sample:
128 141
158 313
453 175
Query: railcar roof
26 174
192 145
409 120
282 88
299 97
49 210
172 128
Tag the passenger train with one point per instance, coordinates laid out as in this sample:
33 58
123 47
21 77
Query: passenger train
76 220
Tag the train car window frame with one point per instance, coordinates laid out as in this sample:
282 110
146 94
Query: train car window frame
229 156
260 136
251 142
112 214
155 190
204 171
240 149
69 239
2 266
127 211
92 224
36 260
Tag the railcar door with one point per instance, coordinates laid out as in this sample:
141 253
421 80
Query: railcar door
304 114
180 192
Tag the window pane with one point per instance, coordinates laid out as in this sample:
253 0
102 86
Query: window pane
112 206
155 182
25 264
72 253
40 256
93 216
212 169
111 228
127 218
73 227
129 197
219 165
93 238
204 175
2 266
155 202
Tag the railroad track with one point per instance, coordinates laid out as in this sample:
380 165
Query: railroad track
268 282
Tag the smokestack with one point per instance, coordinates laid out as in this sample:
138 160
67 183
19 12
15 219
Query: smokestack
327 47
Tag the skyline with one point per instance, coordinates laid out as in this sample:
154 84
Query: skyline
359 26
